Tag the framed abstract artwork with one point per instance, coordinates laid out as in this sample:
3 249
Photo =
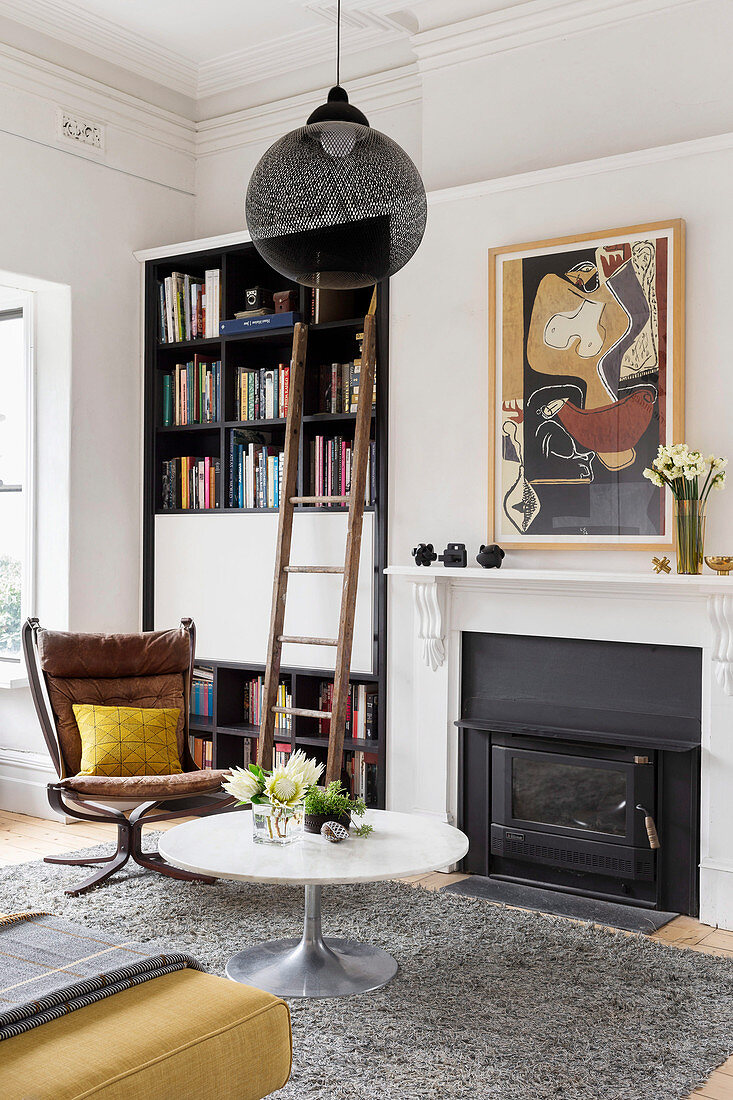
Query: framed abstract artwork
586 349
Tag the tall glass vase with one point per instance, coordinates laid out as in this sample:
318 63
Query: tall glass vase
690 531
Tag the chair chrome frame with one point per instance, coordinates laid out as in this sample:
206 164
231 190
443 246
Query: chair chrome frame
71 803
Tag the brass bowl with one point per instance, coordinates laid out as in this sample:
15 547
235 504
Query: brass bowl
722 566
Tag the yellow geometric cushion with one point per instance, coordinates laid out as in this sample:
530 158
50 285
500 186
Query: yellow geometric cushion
127 740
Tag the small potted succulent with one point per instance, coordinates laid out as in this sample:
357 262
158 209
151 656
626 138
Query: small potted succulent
331 803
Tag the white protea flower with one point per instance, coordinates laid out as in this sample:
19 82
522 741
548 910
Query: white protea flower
653 476
309 770
283 789
242 784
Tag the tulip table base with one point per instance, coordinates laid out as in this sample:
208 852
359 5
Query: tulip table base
222 846
312 966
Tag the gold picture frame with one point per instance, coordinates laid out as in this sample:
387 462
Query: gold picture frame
586 378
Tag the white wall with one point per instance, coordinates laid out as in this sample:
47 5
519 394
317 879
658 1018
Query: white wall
439 358
534 91
75 220
486 99
496 98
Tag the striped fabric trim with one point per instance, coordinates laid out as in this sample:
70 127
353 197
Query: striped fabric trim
15 918
88 992
85 991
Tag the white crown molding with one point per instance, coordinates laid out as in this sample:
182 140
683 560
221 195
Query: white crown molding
366 27
46 80
616 163
260 125
203 244
77 26
374 24
363 28
526 24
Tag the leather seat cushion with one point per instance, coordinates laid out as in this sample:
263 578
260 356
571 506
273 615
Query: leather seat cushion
145 787
99 656
159 691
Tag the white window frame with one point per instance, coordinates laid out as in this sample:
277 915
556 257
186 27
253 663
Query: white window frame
12 669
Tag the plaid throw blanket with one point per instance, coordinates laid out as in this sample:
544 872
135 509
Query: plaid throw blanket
49 967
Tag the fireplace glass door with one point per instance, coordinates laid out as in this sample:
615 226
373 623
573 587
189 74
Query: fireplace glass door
570 795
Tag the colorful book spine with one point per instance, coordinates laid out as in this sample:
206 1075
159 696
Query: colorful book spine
190 482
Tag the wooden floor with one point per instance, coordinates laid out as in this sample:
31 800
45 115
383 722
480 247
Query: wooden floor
24 838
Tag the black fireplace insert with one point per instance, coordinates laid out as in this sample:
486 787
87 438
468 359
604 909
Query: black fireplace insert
579 766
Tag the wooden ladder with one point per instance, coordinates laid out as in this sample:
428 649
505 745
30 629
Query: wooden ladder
349 570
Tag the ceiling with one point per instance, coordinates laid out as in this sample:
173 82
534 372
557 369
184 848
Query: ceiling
209 58
198 30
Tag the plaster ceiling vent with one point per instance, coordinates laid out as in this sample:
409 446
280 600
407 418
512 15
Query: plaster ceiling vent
72 129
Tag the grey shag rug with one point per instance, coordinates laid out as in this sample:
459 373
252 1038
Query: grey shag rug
489 1003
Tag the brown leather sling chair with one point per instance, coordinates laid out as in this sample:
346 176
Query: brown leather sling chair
139 670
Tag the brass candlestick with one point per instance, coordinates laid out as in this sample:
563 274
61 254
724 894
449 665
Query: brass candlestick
721 565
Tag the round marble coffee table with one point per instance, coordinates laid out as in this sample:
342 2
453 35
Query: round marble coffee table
401 845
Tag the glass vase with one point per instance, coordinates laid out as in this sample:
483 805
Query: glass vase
690 534
277 824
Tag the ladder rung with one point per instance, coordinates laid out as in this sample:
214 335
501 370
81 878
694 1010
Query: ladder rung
308 641
301 712
313 569
320 500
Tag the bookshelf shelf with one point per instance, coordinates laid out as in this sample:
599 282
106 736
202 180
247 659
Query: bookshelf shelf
351 744
189 345
332 341
273 422
201 723
165 428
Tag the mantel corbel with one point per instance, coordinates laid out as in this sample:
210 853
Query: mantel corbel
431 633
720 608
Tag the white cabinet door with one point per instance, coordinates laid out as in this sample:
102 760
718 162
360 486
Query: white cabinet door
218 569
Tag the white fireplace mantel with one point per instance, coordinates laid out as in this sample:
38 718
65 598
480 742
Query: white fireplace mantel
428 583
623 607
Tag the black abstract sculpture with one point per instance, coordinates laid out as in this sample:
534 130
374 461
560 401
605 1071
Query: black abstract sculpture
454 556
424 553
490 557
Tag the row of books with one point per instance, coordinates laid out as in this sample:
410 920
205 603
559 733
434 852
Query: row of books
202 691
189 307
338 387
359 775
190 482
255 471
262 394
202 752
192 393
254 691
330 468
361 710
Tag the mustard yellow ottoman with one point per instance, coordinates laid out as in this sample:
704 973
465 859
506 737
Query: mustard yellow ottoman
181 1036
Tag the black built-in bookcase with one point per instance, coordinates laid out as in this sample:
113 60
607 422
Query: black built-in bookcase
333 341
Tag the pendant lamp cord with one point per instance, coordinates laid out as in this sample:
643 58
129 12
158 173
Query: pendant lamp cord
338 42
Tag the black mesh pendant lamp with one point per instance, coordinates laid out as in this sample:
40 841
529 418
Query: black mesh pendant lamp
336 204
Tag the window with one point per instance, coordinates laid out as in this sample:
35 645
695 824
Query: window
15 403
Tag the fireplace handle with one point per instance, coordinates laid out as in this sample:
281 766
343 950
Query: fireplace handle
651 829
